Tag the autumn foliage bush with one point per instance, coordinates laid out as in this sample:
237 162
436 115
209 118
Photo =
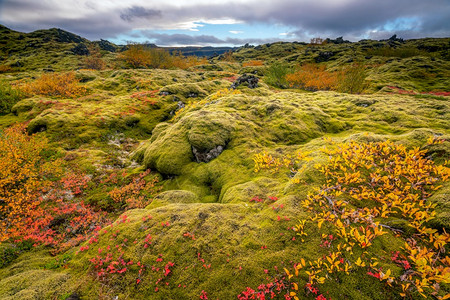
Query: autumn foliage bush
137 193
366 185
94 60
315 77
24 178
253 63
55 84
38 202
142 56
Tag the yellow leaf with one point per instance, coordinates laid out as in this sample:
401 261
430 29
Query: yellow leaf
359 262
319 223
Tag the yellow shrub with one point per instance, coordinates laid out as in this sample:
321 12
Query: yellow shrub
253 63
55 84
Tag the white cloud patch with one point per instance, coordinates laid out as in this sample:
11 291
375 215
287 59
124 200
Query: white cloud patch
235 31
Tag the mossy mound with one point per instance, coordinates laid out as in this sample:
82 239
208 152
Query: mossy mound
244 125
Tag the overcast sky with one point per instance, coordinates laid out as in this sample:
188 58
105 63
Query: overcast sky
230 22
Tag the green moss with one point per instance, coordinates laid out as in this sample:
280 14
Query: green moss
441 199
24 106
207 204
260 187
32 284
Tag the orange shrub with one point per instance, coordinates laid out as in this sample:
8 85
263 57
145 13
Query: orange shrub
228 56
94 59
181 62
137 56
24 177
141 56
34 201
313 77
253 63
55 84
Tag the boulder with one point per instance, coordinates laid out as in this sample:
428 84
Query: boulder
250 80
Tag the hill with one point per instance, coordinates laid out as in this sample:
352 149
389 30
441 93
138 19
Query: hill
283 170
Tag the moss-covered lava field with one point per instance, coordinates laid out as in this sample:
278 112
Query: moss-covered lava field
284 171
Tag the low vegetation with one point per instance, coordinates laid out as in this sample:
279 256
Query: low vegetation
131 173
9 95
55 84
142 56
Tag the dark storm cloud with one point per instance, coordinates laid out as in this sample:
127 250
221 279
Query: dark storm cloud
353 19
139 12
22 5
346 17
87 27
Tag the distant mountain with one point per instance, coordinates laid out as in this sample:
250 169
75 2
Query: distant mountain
200 51
55 48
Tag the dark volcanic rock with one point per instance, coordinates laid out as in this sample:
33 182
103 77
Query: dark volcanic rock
67 37
339 40
106 45
324 56
250 80
207 156
80 49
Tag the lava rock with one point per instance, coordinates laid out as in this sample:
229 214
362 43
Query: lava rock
67 37
250 80
339 40
324 56
106 45
180 105
80 49
207 156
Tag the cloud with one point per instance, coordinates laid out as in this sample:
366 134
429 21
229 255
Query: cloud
139 12
353 19
235 31
163 39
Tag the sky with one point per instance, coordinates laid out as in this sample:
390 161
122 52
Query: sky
230 22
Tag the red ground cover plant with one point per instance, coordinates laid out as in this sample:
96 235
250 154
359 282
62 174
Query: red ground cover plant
38 203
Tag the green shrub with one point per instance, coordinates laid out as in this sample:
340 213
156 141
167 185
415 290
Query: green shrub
8 97
276 75
403 52
353 79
